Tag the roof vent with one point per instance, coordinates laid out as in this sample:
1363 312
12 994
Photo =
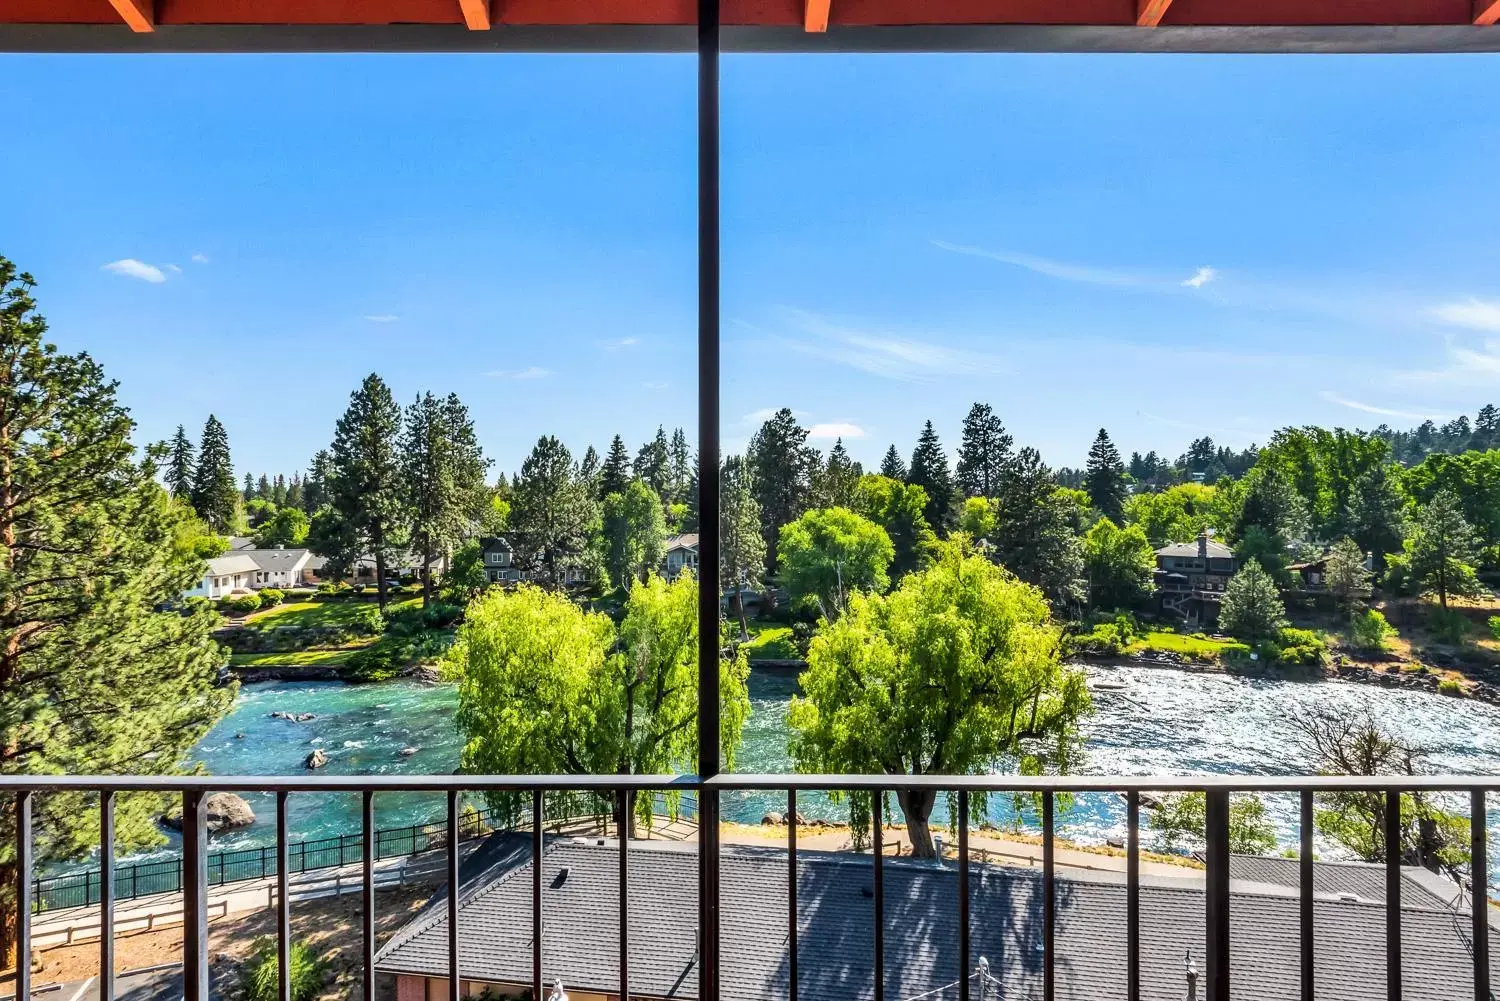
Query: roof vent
561 877
1348 897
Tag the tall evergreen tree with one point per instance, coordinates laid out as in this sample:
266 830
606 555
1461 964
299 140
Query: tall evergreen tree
249 492
315 487
892 466
263 488
552 513
742 549
654 463
781 474
294 491
93 680
214 496
180 466
838 479
614 476
929 470
1440 555
1035 536
365 484
1105 478
680 469
983 452
278 490
1486 428
588 470
443 470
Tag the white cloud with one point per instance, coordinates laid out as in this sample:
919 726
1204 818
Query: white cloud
174 269
132 268
1201 277
837 429
654 385
621 342
200 258
534 372
382 317
908 359
1046 266
1476 314
1367 408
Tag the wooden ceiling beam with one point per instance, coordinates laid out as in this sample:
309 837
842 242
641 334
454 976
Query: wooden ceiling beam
1486 11
139 14
816 16
1148 13
476 14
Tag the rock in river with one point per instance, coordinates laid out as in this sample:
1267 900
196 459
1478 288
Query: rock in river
407 752
223 811
317 759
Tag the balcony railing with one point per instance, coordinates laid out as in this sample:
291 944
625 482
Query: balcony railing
1216 857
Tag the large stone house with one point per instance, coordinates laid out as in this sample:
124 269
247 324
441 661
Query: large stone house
1191 577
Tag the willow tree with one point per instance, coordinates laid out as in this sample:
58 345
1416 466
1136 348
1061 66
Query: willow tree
93 679
955 672
545 687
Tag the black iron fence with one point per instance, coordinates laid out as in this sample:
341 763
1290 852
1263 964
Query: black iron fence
199 873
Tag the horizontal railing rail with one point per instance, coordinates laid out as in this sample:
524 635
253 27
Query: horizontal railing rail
197 865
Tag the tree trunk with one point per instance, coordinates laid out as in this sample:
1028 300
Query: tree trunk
426 576
739 603
8 928
625 823
378 538
917 805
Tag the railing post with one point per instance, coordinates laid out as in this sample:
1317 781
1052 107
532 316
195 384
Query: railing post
453 982
537 808
1216 859
878 822
283 906
367 853
1305 902
1049 900
623 800
791 894
1393 895
106 895
963 896
1479 902
194 898
1133 896
24 853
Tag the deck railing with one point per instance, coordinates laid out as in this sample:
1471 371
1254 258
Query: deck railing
1216 857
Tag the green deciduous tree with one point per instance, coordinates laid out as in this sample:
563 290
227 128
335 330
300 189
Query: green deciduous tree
1377 515
93 680
929 470
365 483
983 452
1252 608
830 553
1120 564
547 688
954 672
1439 556
742 550
1180 819
899 508
1473 479
635 533
443 470
552 513
180 465
287 527
466 578
214 495
781 474
1177 514
1105 478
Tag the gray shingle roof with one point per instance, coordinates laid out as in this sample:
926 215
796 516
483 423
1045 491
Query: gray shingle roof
232 563
1419 888
835 920
1216 550
277 559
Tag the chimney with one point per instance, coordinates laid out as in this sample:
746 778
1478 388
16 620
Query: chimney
1192 977
1203 544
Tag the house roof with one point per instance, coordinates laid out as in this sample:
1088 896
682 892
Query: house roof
284 560
237 542
1419 887
494 543
1216 550
580 928
687 540
232 563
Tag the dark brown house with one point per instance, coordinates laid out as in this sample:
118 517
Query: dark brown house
1191 577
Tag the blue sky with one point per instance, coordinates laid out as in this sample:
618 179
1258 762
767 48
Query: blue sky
1164 245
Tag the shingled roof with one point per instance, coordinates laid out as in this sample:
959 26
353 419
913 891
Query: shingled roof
835 892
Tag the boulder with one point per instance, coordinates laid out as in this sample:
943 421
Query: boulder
773 819
801 820
223 811
407 752
317 759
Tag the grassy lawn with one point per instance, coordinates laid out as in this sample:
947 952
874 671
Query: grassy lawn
1187 646
770 641
297 658
321 613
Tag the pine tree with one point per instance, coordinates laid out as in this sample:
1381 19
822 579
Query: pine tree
248 493
614 476
315 487
654 463
278 491
1442 550
1377 513
263 488
93 680
1035 537
552 513
1252 608
929 470
365 485
680 469
214 495
983 453
742 549
781 473
838 479
1486 428
180 468
443 472
294 491
1105 478
588 471
892 465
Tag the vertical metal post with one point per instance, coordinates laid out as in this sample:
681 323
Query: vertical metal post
1393 895
877 822
708 496
963 895
194 897
23 894
791 894
283 906
453 983
1133 895
1216 859
1049 901
367 853
623 804
536 893
106 895
1479 871
1306 897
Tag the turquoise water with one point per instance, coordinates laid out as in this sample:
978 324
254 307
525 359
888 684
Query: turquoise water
1162 722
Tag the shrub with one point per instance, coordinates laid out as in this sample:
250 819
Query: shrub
261 972
1495 626
333 589
1451 686
380 661
1300 646
1107 639
1449 626
367 621
270 597
1369 630
441 615
242 604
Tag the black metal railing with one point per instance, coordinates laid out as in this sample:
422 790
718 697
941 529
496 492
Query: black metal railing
1216 859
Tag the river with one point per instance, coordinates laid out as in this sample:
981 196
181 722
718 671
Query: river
1163 721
